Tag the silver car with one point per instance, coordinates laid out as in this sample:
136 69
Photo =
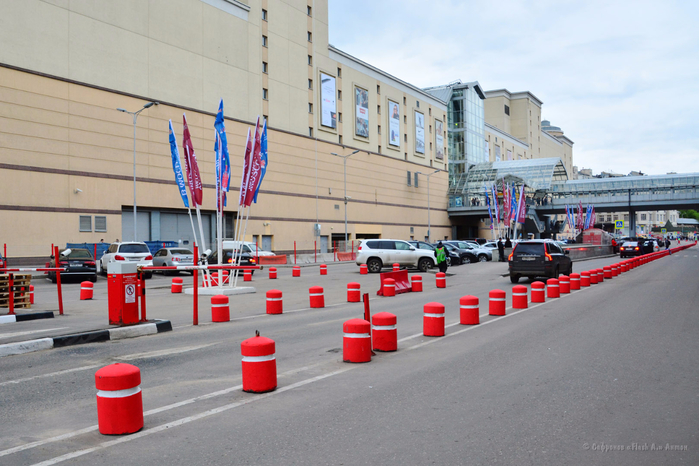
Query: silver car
169 257
483 254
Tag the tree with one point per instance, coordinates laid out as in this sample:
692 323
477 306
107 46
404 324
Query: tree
689 214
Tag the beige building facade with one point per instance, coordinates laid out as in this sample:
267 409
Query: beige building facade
67 155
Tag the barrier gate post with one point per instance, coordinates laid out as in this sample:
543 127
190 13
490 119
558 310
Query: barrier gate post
58 282
195 275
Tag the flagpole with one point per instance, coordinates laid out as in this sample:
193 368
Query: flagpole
247 214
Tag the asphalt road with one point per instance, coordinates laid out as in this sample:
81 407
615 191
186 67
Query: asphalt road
591 378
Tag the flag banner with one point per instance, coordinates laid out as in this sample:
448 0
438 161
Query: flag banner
254 169
220 192
193 176
490 212
495 203
521 206
513 204
580 216
263 159
594 217
177 167
246 168
222 140
505 204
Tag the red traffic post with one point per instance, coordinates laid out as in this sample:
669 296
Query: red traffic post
384 331
396 267
389 287
176 286
574 281
538 292
607 272
272 273
416 283
259 364
323 269
354 294
468 310
247 275
600 275
363 269
564 284
86 290
520 297
356 341
585 279
31 294
296 271
624 267
594 279
220 312
119 399
441 280
552 290
275 304
433 320
615 270
496 302
317 300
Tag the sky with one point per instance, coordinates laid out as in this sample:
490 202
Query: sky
620 78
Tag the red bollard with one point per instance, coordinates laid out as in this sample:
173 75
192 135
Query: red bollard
272 273
363 269
564 284
607 272
296 271
214 279
323 269
496 304
259 364
468 310
119 399
396 267
593 277
275 304
520 298
538 292
600 275
247 275
354 292
317 299
585 279
574 281
176 286
552 290
220 312
624 267
416 282
356 341
433 320
389 287
384 332
615 270
441 280
31 294
86 291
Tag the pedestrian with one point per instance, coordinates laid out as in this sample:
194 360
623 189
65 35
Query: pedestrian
508 243
667 243
441 257
501 250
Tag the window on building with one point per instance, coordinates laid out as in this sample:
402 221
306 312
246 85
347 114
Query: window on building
507 109
405 101
415 180
430 109
310 60
379 129
643 216
339 72
264 67
409 178
405 137
430 147
309 11
430 129
266 118
405 119
310 36
626 217
310 107
339 117
310 131
265 94
378 109
85 223
340 139
339 95
264 41
378 89
100 223
264 15
417 103
379 149
310 84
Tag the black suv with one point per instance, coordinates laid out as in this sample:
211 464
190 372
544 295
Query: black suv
538 258
246 259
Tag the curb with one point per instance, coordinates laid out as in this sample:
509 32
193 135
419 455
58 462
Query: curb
10 319
22 347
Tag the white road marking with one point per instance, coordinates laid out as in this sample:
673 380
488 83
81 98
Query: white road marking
29 332
165 352
52 374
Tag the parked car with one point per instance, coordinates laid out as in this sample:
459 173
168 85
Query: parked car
480 241
131 252
248 247
77 262
491 245
482 254
170 257
465 256
452 258
3 262
246 259
630 249
538 258
380 253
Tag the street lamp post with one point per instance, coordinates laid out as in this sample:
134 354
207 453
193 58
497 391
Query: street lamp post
429 225
135 117
344 166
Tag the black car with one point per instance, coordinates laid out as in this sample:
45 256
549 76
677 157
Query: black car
246 259
77 262
538 258
452 258
631 249
465 256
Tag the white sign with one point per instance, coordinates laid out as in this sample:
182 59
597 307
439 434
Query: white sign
130 293
439 139
328 109
393 124
362 112
419 133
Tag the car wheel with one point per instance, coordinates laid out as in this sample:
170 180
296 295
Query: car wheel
149 275
93 278
374 265
556 273
103 269
482 258
425 264
514 278
53 278
466 260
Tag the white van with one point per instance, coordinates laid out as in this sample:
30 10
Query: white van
250 248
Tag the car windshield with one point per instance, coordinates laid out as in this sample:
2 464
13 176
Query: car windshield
79 254
134 248
181 251
529 248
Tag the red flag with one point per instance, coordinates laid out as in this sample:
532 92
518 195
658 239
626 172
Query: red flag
246 169
522 209
255 171
190 159
580 216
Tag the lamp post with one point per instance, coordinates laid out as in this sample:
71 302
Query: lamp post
135 117
429 225
344 166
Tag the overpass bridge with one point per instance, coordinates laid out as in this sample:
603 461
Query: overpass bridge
548 191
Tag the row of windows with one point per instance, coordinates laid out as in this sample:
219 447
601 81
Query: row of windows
309 12
85 223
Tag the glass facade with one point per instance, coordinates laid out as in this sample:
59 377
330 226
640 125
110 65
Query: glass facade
466 133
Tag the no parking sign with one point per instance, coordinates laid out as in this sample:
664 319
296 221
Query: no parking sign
130 293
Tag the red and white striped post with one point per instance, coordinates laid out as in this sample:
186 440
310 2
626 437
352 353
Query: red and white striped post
274 302
520 297
119 399
497 302
259 364
468 310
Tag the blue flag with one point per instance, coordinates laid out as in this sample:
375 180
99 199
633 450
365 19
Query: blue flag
490 212
223 175
263 159
176 167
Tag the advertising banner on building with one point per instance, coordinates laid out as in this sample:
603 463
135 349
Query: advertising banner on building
419 133
439 139
509 154
497 153
328 105
361 97
393 124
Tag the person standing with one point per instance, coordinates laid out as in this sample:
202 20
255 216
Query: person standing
441 257
501 250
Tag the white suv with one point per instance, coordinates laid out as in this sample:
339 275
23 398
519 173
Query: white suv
380 253
132 252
